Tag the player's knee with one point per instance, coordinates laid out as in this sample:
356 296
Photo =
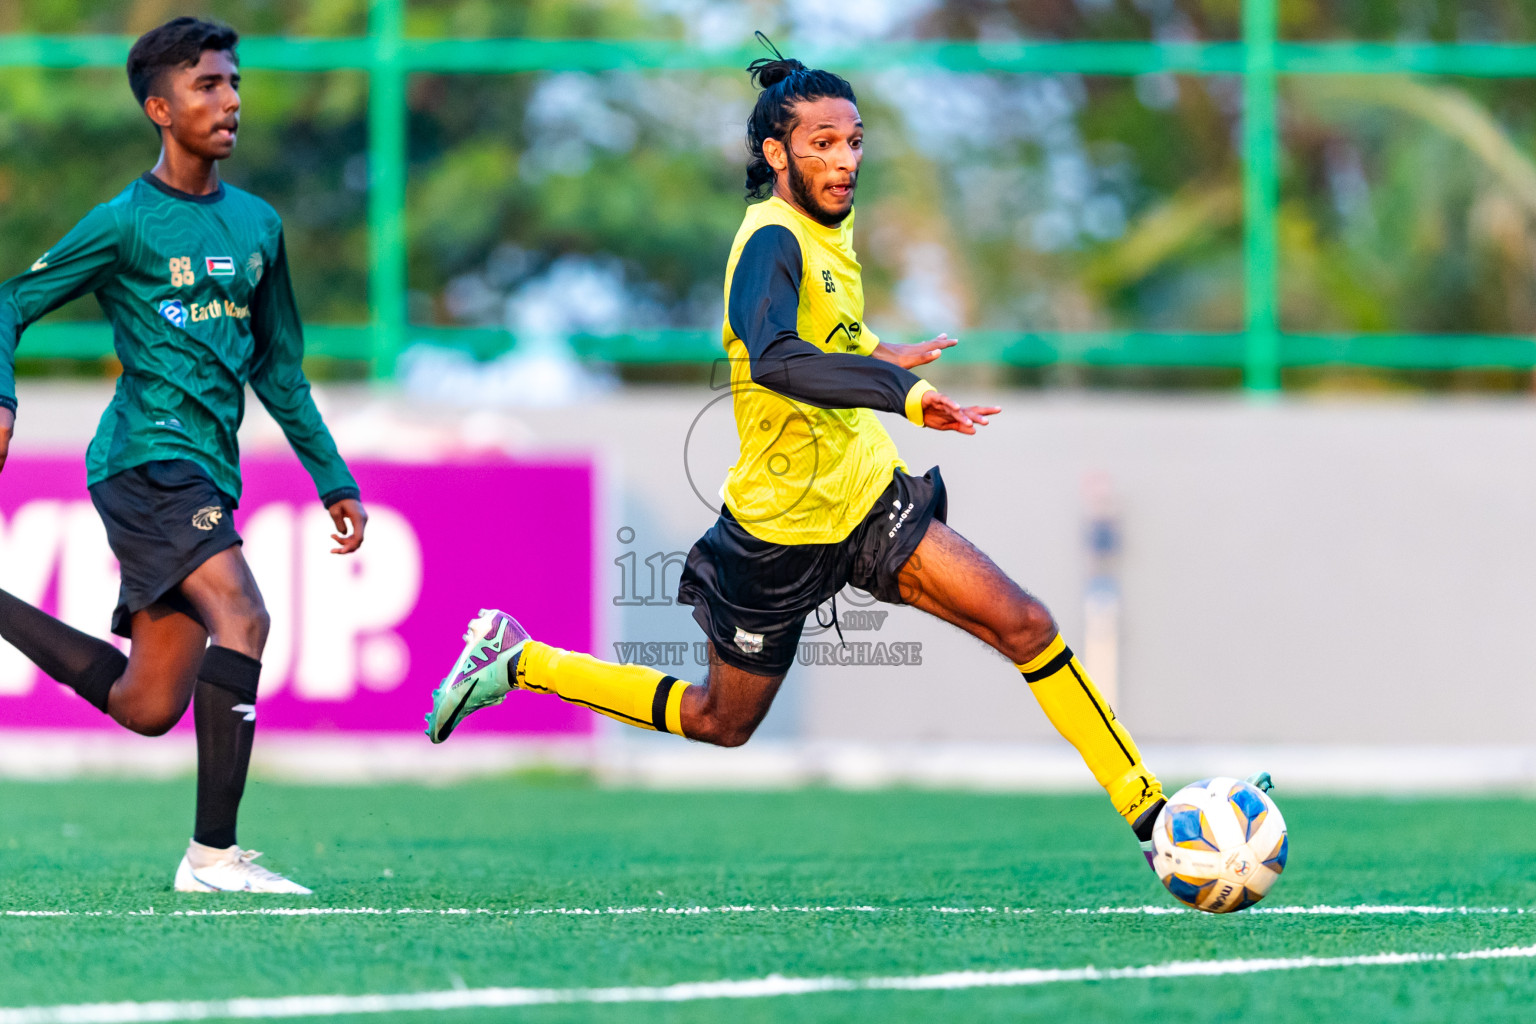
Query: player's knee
154 716
245 624
1028 631
259 624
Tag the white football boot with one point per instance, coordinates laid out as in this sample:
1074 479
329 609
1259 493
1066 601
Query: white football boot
209 869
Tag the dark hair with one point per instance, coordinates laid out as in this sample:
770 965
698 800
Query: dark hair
784 82
179 43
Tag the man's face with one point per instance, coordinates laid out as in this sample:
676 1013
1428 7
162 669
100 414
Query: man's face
825 148
200 105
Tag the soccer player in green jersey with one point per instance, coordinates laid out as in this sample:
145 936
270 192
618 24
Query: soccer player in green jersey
193 276
819 497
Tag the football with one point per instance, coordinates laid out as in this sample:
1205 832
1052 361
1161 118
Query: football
1219 844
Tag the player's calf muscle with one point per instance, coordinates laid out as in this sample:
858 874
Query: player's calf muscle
716 725
726 709
718 731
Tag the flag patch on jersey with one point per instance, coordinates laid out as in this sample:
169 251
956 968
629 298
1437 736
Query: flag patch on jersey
220 266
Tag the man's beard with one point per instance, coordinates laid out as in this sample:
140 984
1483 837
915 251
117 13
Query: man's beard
800 189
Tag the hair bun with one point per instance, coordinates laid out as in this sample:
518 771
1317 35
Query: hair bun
770 71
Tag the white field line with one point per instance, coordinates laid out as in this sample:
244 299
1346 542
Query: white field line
753 988
1323 910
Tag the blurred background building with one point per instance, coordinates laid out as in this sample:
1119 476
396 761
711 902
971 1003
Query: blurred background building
1255 283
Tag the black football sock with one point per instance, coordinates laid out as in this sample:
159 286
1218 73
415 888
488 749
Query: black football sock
81 662
1143 825
224 710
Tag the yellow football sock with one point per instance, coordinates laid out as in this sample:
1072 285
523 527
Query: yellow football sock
1081 715
633 694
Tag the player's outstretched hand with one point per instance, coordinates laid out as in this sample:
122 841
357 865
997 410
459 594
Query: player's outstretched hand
909 356
350 518
940 412
7 427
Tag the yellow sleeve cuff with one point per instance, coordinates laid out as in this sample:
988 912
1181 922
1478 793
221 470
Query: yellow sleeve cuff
915 401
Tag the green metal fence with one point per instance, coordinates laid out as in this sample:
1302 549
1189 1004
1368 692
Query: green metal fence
389 57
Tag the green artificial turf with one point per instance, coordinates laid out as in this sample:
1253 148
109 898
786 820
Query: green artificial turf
112 847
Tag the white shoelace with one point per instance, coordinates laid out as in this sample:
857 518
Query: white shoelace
247 856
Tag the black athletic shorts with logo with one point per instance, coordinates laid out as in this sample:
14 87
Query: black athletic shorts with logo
163 520
751 596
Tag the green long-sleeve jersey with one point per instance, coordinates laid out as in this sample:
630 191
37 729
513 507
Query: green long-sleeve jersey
200 301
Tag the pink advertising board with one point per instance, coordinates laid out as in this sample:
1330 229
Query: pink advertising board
357 642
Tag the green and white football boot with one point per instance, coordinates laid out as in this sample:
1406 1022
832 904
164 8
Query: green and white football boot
484 674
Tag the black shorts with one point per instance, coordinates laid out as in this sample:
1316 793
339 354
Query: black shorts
163 520
751 596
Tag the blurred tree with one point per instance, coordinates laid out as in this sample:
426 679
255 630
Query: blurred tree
131 17
72 139
1503 21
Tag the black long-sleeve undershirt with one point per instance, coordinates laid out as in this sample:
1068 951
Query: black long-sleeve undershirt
764 313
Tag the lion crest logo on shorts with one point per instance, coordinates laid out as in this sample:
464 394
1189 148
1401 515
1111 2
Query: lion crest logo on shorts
750 643
207 518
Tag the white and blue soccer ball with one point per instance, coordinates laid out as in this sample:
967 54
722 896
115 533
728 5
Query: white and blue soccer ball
1219 844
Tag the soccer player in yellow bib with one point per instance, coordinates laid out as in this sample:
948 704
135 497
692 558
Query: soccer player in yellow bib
819 497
